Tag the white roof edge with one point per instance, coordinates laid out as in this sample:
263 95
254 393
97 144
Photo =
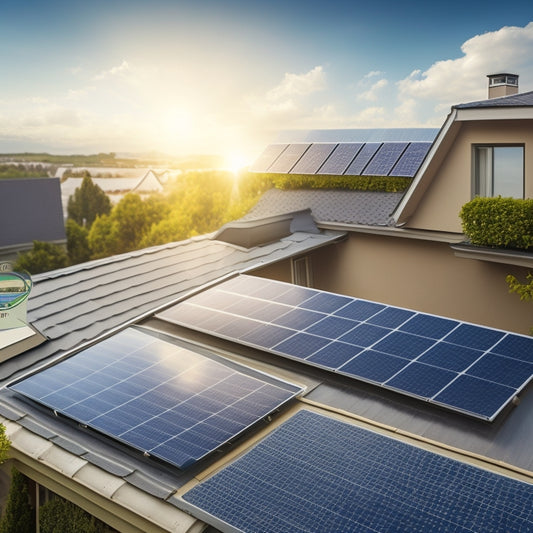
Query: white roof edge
93 484
397 215
494 113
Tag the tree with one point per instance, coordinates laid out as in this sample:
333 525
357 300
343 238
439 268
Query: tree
103 237
87 202
61 516
524 290
77 243
42 258
18 517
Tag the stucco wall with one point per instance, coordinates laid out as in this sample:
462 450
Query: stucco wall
425 276
451 186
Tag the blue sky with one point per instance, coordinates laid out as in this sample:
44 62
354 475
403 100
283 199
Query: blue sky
224 76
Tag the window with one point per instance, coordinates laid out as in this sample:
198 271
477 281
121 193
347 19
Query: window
499 171
301 271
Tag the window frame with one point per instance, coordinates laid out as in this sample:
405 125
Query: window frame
483 168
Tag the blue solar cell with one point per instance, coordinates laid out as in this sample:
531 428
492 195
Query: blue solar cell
304 492
385 159
359 310
450 356
430 326
156 407
365 335
475 395
301 345
332 327
516 346
267 158
362 159
374 366
298 318
335 355
506 370
313 159
404 345
411 159
340 159
421 380
391 317
295 295
288 158
325 302
474 336
267 336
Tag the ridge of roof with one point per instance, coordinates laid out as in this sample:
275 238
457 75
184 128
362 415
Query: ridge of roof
512 100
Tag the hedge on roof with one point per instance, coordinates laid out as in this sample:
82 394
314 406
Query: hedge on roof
354 183
499 222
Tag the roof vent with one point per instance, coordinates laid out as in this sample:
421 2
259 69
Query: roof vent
502 84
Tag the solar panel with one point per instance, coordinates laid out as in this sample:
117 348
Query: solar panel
312 160
267 158
473 369
156 396
288 158
411 159
340 158
314 474
362 159
385 159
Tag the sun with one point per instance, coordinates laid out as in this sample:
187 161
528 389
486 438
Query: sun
235 162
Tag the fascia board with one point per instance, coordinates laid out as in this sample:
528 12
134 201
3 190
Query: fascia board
494 113
421 180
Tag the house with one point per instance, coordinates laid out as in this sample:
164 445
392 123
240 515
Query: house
146 183
23 219
269 377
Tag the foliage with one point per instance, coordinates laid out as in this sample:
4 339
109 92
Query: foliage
499 222
524 290
15 171
77 243
358 183
43 257
75 174
18 517
87 202
5 444
61 516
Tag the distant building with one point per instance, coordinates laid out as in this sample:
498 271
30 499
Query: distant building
115 188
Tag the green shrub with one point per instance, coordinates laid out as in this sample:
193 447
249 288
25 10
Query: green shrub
62 516
354 183
499 222
18 516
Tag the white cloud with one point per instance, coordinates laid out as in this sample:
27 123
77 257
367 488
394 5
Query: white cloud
373 74
453 81
371 94
298 85
114 71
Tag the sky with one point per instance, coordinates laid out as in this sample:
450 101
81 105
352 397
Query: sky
225 76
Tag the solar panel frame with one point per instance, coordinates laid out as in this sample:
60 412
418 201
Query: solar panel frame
313 158
363 158
268 157
340 159
385 159
411 160
171 402
315 473
288 158
386 340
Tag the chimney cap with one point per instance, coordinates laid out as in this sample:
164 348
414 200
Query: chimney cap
503 78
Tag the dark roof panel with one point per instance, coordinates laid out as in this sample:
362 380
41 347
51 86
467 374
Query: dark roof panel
22 217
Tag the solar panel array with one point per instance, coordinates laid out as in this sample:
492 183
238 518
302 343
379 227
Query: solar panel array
402 159
468 368
316 474
155 396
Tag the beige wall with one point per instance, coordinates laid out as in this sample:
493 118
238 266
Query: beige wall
424 276
451 186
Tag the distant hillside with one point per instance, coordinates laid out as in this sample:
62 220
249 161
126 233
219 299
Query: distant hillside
112 160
